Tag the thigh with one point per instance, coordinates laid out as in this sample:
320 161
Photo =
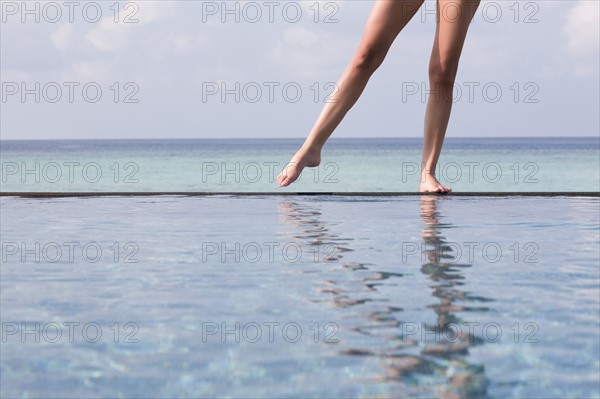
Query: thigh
453 21
387 19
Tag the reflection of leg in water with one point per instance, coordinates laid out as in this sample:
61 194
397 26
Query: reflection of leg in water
450 343
436 367
304 228
303 224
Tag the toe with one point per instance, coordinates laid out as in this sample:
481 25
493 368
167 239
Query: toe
282 178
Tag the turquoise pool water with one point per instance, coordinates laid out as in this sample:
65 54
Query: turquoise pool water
300 297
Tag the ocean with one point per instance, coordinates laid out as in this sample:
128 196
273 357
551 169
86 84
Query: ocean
348 165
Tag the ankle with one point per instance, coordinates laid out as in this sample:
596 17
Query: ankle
311 147
428 177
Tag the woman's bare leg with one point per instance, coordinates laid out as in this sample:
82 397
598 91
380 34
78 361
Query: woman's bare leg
453 20
387 19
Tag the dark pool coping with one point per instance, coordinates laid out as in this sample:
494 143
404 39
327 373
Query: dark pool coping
286 194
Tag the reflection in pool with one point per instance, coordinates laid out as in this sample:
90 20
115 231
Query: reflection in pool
389 297
441 366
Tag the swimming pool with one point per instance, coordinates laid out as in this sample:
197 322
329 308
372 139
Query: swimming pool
321 296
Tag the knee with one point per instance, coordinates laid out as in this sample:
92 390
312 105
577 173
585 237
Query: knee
368 58
443 73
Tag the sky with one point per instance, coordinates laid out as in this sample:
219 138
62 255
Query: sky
263 69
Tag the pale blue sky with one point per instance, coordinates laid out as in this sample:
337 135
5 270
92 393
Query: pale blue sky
529 68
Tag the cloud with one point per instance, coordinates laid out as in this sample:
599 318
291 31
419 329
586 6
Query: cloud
302 37
170 53
86 71
113 36
583 29
62 37
182 42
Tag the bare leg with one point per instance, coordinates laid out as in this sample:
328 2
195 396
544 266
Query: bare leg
453 19
387 19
